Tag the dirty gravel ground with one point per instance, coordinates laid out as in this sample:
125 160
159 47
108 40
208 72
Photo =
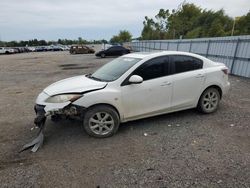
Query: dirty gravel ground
184 149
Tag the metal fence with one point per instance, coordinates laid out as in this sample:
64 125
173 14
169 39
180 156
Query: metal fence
232 51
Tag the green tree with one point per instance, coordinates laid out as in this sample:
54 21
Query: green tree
242 25
123 36
191 21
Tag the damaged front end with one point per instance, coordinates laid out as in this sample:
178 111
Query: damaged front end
60 99
39 122
42 112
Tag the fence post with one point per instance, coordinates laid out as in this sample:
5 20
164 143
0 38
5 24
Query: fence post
154 45
235 53
168 46
177 45
208 46
160 46
190 46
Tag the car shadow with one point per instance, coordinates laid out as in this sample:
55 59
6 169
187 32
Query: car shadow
74 128
67 133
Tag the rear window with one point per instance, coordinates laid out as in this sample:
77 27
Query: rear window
183 63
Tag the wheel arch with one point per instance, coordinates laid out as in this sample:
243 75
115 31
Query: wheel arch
214 86
211 86
218 88
105 104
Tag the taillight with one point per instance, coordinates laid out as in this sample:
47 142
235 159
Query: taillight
225 70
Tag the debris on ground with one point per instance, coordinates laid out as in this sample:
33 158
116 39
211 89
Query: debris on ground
220 181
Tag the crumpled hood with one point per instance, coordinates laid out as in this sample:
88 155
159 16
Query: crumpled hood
77 84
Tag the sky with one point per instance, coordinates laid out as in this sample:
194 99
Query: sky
94 19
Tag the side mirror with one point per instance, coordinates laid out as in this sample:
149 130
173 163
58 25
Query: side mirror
135 79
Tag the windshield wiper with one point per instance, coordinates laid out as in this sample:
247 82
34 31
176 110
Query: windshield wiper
94 78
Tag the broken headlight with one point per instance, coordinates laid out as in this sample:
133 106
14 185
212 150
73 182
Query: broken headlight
63 98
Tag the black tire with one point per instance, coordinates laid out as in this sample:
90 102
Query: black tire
103 55
97 128
209 101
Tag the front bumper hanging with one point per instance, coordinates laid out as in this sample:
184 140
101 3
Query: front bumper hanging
39 121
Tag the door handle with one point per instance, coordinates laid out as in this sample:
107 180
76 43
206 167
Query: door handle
166 83
199 76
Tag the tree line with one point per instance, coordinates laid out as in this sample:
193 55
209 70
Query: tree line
36 42
191 21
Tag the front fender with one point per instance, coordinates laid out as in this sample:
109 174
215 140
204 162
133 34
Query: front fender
108 96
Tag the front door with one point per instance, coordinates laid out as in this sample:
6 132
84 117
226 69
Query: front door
153 95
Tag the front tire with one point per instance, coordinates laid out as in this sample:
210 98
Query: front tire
101 121
209 101
102 55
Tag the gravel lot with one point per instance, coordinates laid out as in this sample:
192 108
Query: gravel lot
183 149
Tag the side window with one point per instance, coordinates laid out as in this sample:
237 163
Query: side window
110 49
154 68
183 63
120 48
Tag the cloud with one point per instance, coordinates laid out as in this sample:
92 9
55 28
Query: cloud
18 18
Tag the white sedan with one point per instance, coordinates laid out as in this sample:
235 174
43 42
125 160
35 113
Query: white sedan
136 86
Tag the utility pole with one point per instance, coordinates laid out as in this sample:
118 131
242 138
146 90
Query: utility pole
232 33
235 19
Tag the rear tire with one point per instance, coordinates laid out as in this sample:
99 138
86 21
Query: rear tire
103 55
101 121
209 101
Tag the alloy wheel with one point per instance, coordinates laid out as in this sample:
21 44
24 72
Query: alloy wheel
210 101
101 123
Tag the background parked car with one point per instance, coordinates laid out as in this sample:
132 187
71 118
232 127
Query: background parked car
31 49
56 48
113 51
80 49
41 49
4 50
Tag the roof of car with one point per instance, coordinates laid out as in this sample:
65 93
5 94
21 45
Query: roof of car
143 55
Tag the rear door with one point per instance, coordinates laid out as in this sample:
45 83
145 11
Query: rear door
153 95
188 78
120 50
111 51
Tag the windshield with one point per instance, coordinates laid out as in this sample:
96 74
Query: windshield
114 69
